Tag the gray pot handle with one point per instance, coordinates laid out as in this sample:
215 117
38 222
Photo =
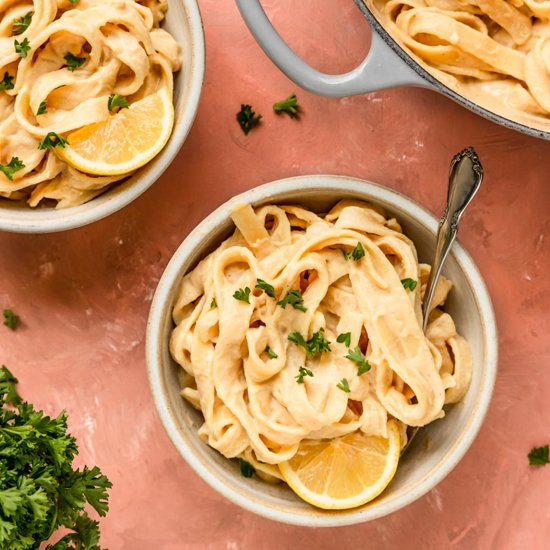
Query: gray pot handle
382 68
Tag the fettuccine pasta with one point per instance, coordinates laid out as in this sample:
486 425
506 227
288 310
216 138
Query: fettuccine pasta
495 52
60 62
350 285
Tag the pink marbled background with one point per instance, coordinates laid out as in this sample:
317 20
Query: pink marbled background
84 295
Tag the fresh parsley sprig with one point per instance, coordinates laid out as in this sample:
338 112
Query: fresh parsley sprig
21 24
7 82
295 299
270 353
14 165
356 254
409 283
52 140
358 358
247 118
73 62
344 385
289 106
539 456
266 287
242 294
11 320
115 101
42 108
316 344
344 338
302 371
22 48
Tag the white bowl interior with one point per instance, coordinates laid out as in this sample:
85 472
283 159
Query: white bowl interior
436 449
184 23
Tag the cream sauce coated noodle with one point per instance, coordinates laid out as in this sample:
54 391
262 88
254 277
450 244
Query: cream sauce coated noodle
496 52
122 50
240 368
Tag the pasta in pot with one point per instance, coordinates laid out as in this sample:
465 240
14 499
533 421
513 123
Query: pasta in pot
119 49
239 337
494 51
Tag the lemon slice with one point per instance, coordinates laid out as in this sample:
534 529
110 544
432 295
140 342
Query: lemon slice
125 141
344 472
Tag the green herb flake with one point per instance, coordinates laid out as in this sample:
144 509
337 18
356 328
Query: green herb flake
21 24
343 385
242 295
74 1
8 389
42 108
295 299
409 284
52 140
247 118
289 106
14 165
73 62
356 254
7 82
22 48
298 339
247 470
539 456
358 358
213 303
11 320
266 287
316 344
344 338
302 371
115 101
270 353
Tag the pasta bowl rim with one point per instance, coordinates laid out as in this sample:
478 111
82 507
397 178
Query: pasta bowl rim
24 219
160 315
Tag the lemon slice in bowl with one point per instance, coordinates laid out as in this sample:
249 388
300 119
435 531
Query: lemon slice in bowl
125 141
344 472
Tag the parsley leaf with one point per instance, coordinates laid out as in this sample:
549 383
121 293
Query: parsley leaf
213 303
10 319
247 470
40 490
358 358
73 62
6 83
316 344
52 140
115 101
247 118
409 283
294 298
356 254
539 456
22 48
302 371
270 353
14 165
298 339
242 295
344 338
21 24
343 385
266 287
289 106
42 108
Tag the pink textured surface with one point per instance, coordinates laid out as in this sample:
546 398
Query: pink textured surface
84 295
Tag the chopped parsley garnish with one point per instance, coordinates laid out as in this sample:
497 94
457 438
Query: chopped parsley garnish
6 83
22 48
73 62
302 371
21 24
356 254
247 470
316 344
242 295
52 140
266 287
11 320
289 106
409 283
358 358
14 165
247 118
42 108
115 101
270 353
343 385
539 456
344 338
40 489
213 303
294 298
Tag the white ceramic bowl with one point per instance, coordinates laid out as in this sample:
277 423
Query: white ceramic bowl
183 21
424 465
